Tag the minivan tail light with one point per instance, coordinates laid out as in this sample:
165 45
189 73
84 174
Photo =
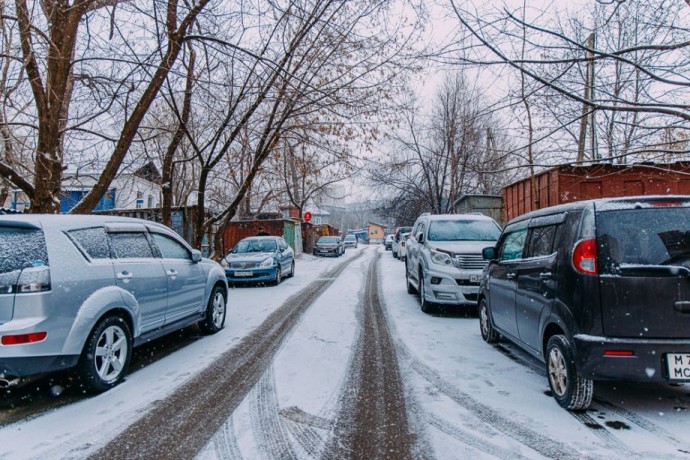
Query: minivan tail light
585 257
23 338
34 279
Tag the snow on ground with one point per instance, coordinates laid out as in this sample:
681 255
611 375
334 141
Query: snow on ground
466 399
451 345
87 425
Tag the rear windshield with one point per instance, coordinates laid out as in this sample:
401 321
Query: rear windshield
649 236
463 230
21 248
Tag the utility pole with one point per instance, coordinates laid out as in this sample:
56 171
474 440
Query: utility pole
587 112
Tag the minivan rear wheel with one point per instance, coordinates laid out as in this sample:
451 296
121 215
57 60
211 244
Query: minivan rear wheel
489 334
570 390
106 355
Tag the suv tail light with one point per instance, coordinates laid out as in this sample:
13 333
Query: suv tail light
585 257
34 279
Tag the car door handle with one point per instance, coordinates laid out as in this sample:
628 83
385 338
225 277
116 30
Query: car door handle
545 275
172 273
124 276
510 276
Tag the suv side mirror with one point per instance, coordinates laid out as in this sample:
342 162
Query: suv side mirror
489 253
420 237
196 255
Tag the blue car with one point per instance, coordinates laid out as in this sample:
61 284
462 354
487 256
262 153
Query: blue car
259 259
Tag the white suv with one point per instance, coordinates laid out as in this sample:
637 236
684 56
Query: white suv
444 260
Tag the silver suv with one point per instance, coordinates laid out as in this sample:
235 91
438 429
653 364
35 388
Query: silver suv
80 291
444 260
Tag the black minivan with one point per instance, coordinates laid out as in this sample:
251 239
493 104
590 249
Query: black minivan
598 290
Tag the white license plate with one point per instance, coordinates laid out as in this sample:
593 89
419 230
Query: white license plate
242 274
475 278
678 366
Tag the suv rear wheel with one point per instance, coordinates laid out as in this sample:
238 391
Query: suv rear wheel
571 391
107 352
410 288
214 318
489 334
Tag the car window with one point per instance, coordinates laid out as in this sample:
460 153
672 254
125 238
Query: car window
169 248
540 241
255 245
21 248
463 230
647 236
130 245
512 245
93 241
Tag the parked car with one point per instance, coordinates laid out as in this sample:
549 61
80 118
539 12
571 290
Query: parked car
350 241
329 246
444 258
402 246
388 242
396 239
259 259
78 292
597 290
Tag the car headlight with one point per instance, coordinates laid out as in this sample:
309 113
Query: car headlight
267 263
441 258
224 263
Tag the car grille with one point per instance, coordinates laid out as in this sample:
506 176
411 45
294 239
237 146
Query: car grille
241 265
466 283
470 261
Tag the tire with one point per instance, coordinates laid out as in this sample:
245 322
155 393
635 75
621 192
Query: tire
216 310
107 352
486 327
279 275
292 270
570 390
410 289
426 306
395 254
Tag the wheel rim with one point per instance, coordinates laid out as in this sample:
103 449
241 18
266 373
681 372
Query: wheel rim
484 320
111 353
218 309
278 274
422 290
558 374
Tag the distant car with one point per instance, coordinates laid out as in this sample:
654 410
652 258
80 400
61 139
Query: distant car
402 246
329 246
78 292
388 242
259 259
396 239
350 241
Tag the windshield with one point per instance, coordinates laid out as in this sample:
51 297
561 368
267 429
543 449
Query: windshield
350 238
328 239
649 236
463 230
255 245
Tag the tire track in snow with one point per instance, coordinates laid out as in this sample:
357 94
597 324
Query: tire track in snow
471 440
372 417
225 442
268 427
493 418
598 429
182 424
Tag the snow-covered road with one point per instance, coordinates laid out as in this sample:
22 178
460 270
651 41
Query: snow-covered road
343 369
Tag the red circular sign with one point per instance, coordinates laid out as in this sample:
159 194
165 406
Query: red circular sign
307 216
